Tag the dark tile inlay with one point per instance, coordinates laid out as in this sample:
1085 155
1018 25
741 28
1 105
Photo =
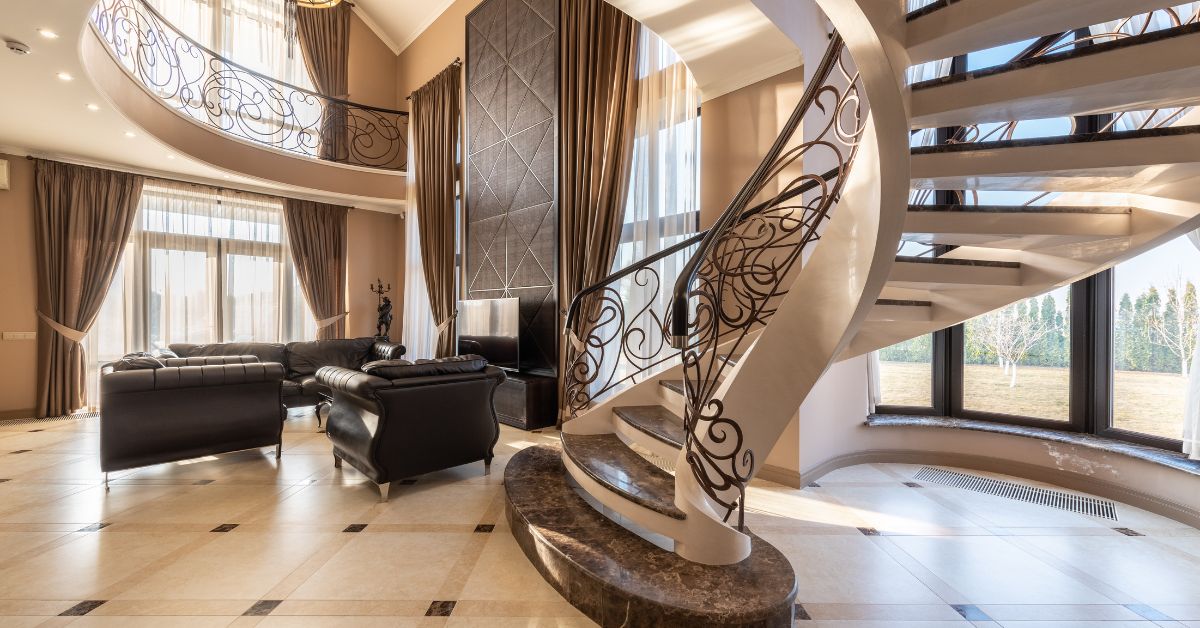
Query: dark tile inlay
95 527
869 531
813 485
408 482
485 528
1129 532
262 608
1149 612
656 421
801 613
2 480
201 482
613 576
970 612
224 527
536 432
37 430
355 527
609 461
1172 459
82 608
21 451
440 609
912 485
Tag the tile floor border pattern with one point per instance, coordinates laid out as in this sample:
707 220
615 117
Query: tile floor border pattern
324 524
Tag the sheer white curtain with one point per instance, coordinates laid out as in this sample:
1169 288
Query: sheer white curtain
663 206
419 332
1191 417
203 265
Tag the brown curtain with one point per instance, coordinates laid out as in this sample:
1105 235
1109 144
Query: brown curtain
598 111
84 217
324 36
435 131
317 235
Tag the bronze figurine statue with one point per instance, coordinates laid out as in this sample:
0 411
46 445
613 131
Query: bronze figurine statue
384 323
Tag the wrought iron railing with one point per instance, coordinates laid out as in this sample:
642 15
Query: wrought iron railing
727 288
243 103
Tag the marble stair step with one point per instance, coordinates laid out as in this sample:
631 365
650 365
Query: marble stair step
617 577
606 459
657 421
674 385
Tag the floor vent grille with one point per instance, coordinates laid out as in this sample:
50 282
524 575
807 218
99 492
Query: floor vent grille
54 419
1090 506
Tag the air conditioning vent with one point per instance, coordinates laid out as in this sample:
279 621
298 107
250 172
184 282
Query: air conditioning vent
1080 504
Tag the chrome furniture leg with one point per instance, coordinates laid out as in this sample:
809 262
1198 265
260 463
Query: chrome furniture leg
383 491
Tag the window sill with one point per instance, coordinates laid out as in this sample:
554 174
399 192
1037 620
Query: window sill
1171 459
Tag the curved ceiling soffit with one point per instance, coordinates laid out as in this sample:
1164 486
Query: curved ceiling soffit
726 44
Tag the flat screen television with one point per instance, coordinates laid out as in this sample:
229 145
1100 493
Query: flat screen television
489 327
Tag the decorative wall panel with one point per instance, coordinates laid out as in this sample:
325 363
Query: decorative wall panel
511 183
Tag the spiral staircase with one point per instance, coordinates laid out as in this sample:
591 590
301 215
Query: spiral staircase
684 369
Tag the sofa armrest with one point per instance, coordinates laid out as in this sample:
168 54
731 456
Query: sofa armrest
349 381
175 377
211 360
383 350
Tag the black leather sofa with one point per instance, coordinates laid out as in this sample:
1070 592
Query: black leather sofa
188 408
301 360
401 419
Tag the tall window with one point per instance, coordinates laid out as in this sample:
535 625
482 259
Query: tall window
203 265
1155 318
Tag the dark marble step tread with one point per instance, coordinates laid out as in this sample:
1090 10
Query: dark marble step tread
617 578
1061 140
657 421
1059 57
609 461
904 302
946 261
1020 209
929 8
675 385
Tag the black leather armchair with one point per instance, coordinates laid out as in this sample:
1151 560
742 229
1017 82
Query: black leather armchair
409 419
189 408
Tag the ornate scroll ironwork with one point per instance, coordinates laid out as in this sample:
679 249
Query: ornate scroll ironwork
748 263
241 102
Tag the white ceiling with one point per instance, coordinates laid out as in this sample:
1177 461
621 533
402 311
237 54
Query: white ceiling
399 22
43 116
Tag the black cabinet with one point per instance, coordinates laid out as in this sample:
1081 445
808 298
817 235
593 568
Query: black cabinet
527 401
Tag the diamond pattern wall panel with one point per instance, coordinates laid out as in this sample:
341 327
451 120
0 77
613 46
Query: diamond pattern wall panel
512 144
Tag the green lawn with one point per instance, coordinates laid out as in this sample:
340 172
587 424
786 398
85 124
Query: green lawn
1143 402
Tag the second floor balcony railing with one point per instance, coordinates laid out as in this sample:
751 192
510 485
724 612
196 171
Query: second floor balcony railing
243 103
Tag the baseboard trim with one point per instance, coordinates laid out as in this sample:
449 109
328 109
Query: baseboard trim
6 415
1066 479
779 475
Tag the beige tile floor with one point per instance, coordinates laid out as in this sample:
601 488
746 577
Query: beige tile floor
868 550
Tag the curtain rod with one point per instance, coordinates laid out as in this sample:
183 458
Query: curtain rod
457 62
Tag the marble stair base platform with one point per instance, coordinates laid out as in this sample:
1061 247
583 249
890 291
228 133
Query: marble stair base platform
617 578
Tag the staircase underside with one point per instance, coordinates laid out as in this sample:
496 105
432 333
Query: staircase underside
620 579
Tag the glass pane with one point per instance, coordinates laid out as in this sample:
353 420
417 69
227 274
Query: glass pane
251 299
179 303
1154 335
906 373
1017 360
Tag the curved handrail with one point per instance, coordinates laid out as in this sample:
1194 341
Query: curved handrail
243 102
733 212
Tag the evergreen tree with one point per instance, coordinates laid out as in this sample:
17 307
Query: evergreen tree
1123 333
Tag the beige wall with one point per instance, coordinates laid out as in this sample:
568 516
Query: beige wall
434 49
372 79
738 128
18 358
375 250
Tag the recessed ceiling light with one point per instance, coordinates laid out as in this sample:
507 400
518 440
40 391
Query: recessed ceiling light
63 76
170 156
93 107
225 175
130 134
47 33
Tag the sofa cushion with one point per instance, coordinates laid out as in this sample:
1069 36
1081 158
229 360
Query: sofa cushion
291 388
265 351
137 361
401 369
304 358
311 386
